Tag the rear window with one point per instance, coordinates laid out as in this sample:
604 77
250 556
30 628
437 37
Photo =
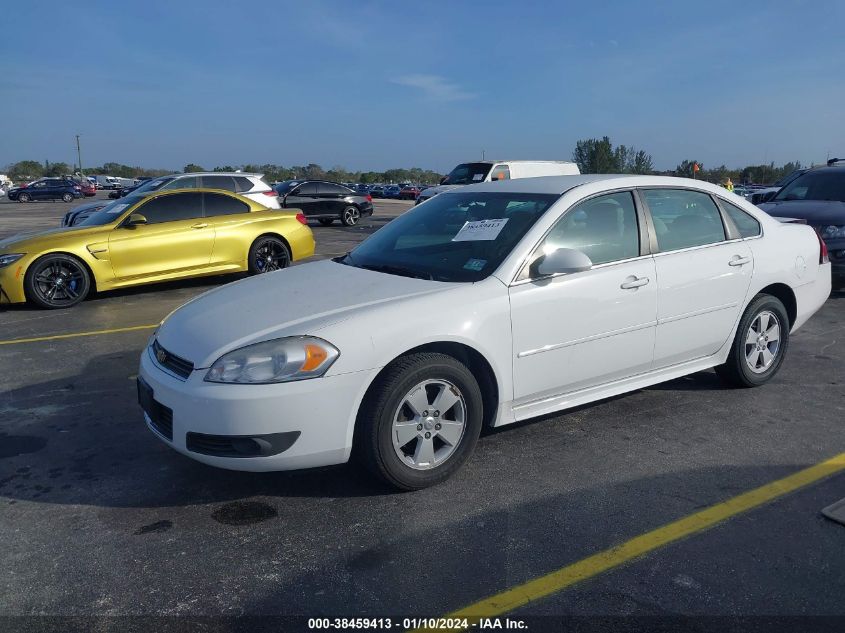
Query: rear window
219 182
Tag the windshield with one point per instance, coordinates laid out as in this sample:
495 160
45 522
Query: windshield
467 173
111 212
789 178
824 184
456 236
153 185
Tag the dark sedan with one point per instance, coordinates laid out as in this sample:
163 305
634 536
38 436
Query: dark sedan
324 201
818 197
78 214
47 189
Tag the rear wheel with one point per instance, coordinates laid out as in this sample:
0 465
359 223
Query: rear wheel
326 221
67 197
350 216
420 421
56 281
24 197
267 254
760 344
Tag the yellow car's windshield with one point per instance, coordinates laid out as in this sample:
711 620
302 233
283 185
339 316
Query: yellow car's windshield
111 212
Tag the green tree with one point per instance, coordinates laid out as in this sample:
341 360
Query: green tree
26 170
192 168
57 169
686 168
596 156
642 163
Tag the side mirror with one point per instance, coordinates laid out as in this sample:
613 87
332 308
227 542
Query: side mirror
563 261
135 219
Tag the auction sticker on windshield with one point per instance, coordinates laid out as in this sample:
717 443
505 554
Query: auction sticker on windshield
480 230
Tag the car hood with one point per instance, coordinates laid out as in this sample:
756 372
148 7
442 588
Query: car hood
296 301
431 191
45 236
816 212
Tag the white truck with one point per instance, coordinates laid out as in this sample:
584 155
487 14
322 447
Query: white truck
488 170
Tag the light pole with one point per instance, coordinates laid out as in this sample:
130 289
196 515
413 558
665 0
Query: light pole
79 156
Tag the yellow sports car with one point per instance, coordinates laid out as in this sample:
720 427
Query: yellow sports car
142 239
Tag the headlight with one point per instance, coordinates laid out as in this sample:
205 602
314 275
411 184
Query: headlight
828 232
280 360
11 258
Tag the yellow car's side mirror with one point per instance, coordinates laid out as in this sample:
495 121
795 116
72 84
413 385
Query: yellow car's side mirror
135 219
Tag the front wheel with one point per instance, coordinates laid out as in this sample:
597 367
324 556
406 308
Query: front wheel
350 216
267 254
56 281
24 197
760 344
420 421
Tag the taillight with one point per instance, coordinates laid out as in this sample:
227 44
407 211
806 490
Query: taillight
300 217
270 193
823 254
369 198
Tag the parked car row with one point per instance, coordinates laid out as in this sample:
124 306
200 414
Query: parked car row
62 188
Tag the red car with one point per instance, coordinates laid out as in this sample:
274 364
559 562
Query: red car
409 193
87 188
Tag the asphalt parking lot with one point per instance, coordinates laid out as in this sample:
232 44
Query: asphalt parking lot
97 517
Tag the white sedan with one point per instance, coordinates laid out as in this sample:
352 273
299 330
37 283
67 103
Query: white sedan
484 306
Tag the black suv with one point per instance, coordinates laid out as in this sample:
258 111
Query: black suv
818 196
47 189
324 201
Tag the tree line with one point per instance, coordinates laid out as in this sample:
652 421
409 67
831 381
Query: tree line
32 169
599 156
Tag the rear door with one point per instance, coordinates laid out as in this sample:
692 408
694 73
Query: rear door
703 274
176 238
332 198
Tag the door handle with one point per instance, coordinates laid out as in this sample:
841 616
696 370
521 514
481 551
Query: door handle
739 261
634 282
201 225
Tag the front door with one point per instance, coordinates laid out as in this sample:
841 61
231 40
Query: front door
580 330
702 277
305 198
176 238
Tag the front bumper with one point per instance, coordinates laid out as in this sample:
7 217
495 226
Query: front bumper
11 281
318 415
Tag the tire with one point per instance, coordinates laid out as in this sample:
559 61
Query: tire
326 221
754 360
267 253
350 216
56 281
66 197
432 377
24 197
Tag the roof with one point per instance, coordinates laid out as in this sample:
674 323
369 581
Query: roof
214 173
561 184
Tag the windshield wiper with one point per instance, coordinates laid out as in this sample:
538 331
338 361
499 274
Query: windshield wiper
397 270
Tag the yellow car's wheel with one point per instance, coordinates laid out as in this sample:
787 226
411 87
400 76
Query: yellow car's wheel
56 281
268 253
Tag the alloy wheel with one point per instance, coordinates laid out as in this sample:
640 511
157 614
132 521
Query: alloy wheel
762 342
429 424
270 256
59 283
351 216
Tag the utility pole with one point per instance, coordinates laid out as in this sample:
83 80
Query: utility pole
482 154
78 155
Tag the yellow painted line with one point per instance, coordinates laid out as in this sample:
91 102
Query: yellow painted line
587 568
56 337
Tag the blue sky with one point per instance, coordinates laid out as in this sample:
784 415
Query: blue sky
373 85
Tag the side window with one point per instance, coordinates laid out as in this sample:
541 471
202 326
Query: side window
183 183
747 225
327 188
500 172
218 204
180 206
242 183
603 228
38 185
219 182
308 189
683 219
